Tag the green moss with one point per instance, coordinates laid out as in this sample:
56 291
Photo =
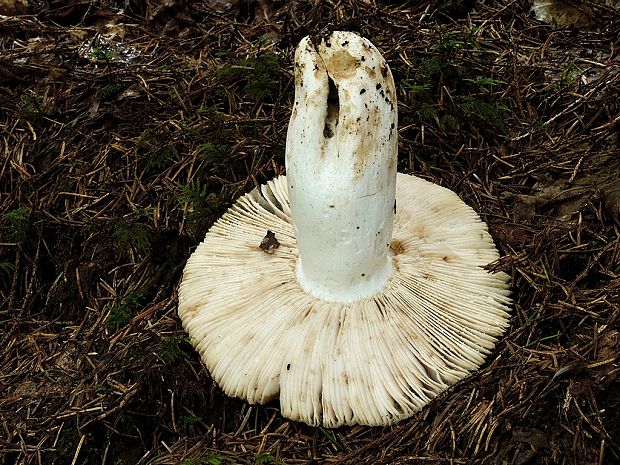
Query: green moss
472 93
569 75
198 204
104 54
257 78
194 194
68 440
7 267
146 137
171 348
186 421
484 81
110 91
16 224
191 462
422 89
261 459
32 106
171 94
451 42
122 313
118 318
213 153
210 458
478 110
161 157
429 68
128 233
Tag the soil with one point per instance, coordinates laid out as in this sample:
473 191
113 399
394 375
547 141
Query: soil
127 128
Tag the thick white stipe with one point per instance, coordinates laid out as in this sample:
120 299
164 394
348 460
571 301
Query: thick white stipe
341 153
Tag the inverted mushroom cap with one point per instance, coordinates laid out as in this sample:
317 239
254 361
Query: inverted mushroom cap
374 361
353 293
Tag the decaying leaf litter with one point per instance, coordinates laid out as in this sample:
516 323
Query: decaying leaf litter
126 134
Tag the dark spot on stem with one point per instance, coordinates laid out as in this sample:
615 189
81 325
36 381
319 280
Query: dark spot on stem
333 110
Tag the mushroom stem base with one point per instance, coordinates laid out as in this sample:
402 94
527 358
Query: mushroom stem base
360 286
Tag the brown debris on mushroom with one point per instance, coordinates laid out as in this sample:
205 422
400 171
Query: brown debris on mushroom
269 244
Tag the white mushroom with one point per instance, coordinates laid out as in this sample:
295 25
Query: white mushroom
365 307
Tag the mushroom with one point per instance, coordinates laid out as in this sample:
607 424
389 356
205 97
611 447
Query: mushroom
375 298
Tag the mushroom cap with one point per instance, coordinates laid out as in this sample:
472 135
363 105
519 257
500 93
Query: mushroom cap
374 361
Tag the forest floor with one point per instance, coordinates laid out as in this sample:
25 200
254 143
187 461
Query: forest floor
127 128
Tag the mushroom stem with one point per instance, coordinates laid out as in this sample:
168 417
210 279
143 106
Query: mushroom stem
341 153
